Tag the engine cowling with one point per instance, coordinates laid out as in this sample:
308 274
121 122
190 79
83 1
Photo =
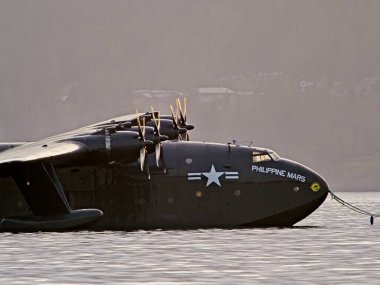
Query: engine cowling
122 146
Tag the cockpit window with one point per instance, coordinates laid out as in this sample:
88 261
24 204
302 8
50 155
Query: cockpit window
259 157
274 155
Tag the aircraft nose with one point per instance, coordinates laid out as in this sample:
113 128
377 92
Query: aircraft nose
320 185
316 182
307 178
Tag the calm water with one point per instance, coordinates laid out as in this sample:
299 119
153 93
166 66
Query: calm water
333 245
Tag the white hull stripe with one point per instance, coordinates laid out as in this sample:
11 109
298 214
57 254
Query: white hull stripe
193 178
232 177
194 174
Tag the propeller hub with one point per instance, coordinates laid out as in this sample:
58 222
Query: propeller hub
182 131
147 143
189 127
163 138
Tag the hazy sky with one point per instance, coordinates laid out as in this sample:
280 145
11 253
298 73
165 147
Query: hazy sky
68 63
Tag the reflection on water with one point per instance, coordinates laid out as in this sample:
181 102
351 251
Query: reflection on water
333 245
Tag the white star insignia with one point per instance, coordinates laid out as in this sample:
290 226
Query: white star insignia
213 176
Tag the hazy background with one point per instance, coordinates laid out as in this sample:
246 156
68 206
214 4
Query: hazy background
304 75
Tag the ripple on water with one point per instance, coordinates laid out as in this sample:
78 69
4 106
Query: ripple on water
333 245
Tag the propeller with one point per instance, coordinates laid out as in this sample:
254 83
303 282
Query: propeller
181 119
173 126
158 138
143 143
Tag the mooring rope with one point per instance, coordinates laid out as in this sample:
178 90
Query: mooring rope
353 208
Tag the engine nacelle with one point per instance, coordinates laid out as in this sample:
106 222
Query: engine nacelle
123 146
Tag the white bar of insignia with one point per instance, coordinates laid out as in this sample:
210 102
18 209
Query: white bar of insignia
193 178
231 173
194 174
232 177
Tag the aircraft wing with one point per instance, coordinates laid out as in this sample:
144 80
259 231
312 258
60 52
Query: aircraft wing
32 167
63 146
39 151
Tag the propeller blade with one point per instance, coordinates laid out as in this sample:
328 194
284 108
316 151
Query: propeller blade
181 120
153 115
174 118
159 122
156 125
177 108
143 162
185 108
142 158
158 154
187 136
147 170
180 111
143 128
171 109
158 137
139 126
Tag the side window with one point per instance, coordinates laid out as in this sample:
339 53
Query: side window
274 155
259 157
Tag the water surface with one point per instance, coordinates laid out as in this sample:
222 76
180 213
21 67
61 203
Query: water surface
333 245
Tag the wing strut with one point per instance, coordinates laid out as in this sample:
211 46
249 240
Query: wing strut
49 169
41 188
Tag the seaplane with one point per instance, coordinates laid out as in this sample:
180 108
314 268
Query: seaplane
142 171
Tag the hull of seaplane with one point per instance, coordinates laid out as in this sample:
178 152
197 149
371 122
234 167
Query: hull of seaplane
196 185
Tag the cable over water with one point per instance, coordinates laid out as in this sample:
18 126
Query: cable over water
353 208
